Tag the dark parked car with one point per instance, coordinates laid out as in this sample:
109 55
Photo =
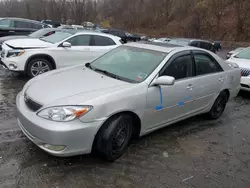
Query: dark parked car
51 23
133 37
37 34
18 26
118 33
204 44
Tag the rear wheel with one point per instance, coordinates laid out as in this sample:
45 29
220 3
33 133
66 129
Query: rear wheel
114 136
218 106
38 66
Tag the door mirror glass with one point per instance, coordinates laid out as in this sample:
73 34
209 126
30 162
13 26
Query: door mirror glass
164 80
66 45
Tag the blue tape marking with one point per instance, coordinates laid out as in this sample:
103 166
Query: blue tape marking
160 107
187 98
181 103
157 108
161 100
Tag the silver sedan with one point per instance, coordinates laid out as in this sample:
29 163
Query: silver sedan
128 92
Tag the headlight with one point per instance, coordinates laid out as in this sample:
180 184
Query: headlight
64 113
15 53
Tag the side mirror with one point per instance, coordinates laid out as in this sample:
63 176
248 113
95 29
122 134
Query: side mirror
66 45
164 80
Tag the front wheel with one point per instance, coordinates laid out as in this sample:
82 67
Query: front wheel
218 106
38 66
114 136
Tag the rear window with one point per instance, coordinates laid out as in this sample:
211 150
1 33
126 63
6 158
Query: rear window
101 41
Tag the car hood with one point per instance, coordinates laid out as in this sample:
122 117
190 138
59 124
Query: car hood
243 63
3 39
27 43
72 86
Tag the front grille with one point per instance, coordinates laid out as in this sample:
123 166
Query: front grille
32 105
245 72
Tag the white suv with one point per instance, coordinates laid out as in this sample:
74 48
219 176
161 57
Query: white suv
242 59
64 48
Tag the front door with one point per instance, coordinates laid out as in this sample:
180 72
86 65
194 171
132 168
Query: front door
78 53
169 103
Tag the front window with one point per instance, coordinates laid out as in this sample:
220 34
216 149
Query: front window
244 54
129 63
58 36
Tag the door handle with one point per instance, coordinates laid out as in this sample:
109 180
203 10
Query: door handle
221 79
190 86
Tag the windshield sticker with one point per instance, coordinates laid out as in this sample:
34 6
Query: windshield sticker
141 76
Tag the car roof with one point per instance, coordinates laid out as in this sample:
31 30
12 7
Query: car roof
190 39
90 32
21 19
162 47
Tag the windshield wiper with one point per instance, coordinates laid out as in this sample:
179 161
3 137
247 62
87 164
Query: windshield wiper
107 73
88 65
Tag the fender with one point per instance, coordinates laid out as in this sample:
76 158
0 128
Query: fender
39 55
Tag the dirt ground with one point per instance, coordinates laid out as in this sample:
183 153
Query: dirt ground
193 153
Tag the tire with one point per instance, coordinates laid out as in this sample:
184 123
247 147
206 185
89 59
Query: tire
114 136
38 66
218 106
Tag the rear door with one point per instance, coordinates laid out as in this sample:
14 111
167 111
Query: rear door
100 45
209 79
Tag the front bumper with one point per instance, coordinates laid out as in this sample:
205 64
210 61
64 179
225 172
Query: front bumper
76 136
12 64
245 83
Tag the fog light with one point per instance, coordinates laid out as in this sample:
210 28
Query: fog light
12 66
54 147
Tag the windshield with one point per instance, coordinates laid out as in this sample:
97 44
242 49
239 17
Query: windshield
244 54
129 63
58 36
39 33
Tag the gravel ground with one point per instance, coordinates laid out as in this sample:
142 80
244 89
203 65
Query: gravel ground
192 153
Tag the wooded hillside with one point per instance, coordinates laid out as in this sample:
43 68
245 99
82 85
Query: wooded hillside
215 19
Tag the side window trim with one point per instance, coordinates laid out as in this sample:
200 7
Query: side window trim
173 58
198 52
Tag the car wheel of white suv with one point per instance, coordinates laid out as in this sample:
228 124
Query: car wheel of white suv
38 66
